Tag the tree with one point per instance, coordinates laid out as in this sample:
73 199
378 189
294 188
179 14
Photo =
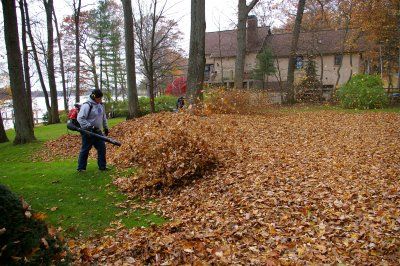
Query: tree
62 69
3 135
156 39
197 60
265 65
309 89
54 117
36 58
108 22
133 102
23 126
77 13
292 57
243 12
25 57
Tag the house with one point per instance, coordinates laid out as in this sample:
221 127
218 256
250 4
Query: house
221 48
325 47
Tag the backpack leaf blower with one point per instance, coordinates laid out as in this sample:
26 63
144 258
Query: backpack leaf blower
73 127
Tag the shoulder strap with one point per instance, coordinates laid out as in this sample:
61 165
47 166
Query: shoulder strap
90 107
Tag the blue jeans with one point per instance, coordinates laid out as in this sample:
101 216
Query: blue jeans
87 143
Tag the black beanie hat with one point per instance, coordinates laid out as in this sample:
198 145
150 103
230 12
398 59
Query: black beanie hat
96 93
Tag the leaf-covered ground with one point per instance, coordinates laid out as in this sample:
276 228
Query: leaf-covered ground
289 188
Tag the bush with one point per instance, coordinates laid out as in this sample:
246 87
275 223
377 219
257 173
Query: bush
24 237
63 116
363 92
164 103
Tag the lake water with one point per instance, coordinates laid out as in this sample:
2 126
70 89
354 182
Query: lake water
38 106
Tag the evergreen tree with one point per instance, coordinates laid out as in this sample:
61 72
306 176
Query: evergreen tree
265 65
309 89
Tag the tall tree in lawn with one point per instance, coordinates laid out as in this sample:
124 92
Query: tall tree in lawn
156 38
36 58
243 12
25 57
3 135
55 117
133 102
77 13
197 60
62 70
23 126
346 9
293 49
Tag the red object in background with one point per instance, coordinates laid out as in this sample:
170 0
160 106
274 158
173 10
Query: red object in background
177 87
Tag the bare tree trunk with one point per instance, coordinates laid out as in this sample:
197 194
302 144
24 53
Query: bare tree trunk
115 73
77 13
243 11
351 66
55 118
293 50
107 84
398 41
278 77
346 31
197 60
23 126
60 53
36 59
3 135
94 71
25 57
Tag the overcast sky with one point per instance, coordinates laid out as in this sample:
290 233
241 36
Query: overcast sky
220 14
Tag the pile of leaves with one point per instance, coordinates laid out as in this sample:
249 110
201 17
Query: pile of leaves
165 148
232 101
24 237
64 147
296 188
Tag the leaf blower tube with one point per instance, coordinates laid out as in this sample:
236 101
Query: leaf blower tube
72 127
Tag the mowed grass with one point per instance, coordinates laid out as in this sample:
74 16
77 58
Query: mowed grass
82 204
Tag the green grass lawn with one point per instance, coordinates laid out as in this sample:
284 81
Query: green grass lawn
83 204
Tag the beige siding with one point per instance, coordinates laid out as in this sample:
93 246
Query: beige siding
329 73
228 66
330 69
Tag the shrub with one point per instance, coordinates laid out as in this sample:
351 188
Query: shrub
166 103
24 237
363 92
63 116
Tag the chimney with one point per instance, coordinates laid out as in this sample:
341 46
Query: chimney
252 31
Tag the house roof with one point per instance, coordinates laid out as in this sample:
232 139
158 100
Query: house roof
229 42
324 41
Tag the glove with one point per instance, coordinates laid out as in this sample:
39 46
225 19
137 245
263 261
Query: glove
106 131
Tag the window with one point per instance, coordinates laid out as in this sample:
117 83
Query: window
299 62
338 59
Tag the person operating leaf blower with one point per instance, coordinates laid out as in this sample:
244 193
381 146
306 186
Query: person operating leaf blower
92 117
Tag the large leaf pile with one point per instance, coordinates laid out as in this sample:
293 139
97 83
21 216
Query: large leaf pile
165 147
232 101
319 187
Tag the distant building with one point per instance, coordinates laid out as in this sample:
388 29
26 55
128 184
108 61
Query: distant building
325 46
